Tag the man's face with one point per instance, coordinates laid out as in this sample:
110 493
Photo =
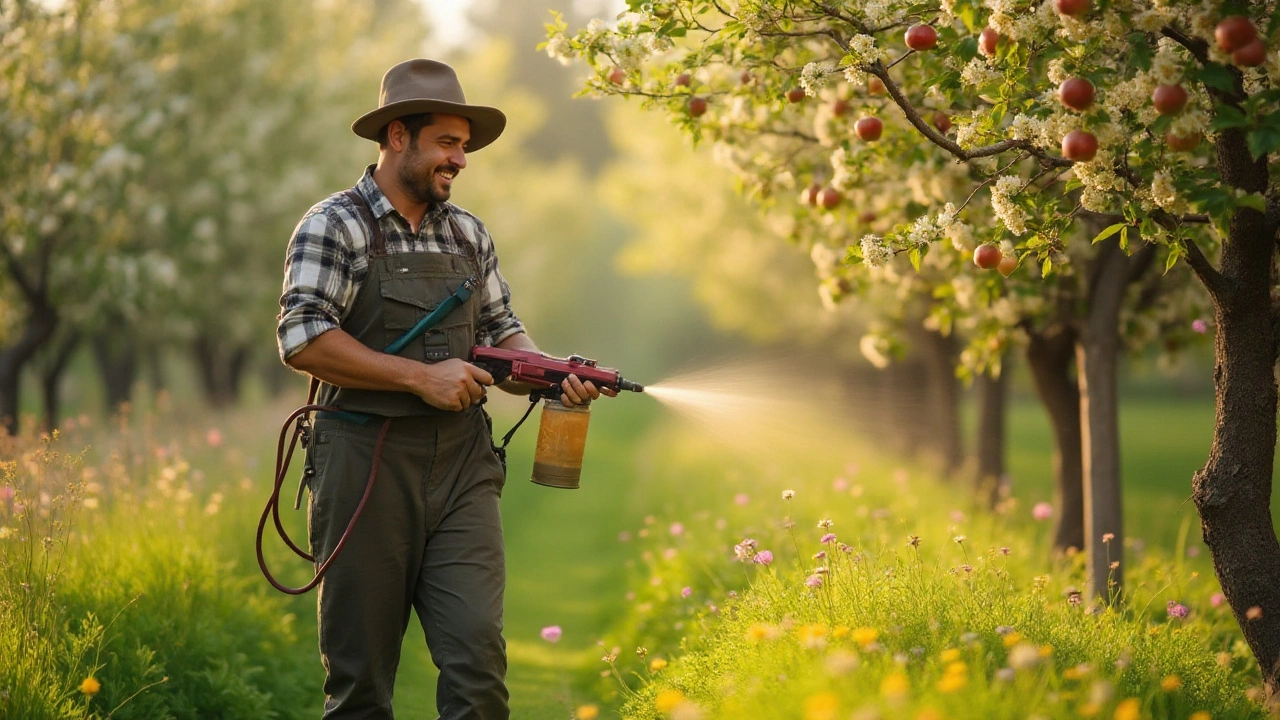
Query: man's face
432 159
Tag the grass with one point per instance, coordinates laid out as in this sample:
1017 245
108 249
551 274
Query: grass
659 511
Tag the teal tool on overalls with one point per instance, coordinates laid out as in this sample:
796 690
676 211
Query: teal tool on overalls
459 296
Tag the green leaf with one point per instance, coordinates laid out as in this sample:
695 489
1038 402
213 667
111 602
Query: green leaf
1215 76
914 255
1124 238
1172 260
1263 141
1112 230
678 31
1253 201
1047 267
967 49
1226 117
1141 50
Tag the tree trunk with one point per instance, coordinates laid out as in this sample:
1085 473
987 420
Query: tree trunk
1233 490
221 369
117 361
1049 355
51 379
939 352
1097 363
992 407
41 322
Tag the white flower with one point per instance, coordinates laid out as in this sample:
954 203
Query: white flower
558 48
875 349
813 77
874 252
1163 192
1013 217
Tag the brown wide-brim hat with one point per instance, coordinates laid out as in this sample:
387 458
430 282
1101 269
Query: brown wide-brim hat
422 86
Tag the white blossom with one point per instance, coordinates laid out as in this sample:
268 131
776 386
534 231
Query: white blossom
1013 217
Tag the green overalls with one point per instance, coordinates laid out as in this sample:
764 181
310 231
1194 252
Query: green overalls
430 537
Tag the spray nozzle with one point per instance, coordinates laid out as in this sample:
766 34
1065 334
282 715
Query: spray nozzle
628 385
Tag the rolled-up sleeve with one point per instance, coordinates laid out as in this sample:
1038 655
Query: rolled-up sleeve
318 282
497 320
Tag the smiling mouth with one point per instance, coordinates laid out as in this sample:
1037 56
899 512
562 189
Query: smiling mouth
447 175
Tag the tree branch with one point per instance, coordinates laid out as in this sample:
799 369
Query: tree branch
31 292
1199 49
1204 270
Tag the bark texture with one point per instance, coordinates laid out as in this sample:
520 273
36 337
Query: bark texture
51 378
221 369
117 361
1049 355
992 407
41 323
939 353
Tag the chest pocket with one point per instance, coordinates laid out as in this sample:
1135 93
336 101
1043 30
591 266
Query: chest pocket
405 301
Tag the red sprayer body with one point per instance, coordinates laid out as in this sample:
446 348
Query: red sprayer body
562 431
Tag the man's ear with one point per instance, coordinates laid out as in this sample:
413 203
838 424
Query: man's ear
397 136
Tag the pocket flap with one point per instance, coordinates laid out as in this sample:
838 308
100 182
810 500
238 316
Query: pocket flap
402 294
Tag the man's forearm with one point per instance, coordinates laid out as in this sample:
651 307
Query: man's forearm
339 359
518 341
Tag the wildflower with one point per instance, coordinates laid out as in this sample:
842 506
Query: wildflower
1200 715
788 494
822 706
812 635
1074 598
950 655
1101 692
686 592
1023 656
820 555
1128 709
1042 511
741 499
1217 599
586 712
668 699
841 662
1077 672
894 686
1199 326
913 541
1253 613
551 633
7 532
213 437
828 538
1115 565
90 686
813 581
764 557
825 523
788 523
1193 552
1107 538
763 631
953 679
656 664
676 529
864 636
7 493
960 539
1177 610
1170 683
840 631
1005 674
642 651
844 548
745 550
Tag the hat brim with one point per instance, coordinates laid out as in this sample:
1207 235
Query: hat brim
486 123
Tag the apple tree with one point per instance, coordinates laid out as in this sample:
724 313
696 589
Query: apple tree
1150 124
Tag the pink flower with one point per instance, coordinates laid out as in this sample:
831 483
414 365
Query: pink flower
551 633
764 557
840 484
624 536
828 538
7 493
1217 599
745 550
677 529
1199 326
686 592
1042 511
813 581
741 499
1193 551
213 437
1177 610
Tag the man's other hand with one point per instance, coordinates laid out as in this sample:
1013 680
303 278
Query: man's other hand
574 392
453 384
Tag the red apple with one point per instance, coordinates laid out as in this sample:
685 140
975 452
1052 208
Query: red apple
1072 7
875 86
1076 93
869 128
839 108
942 121
684 80
697 106
795 95
1182 143
829 198
1007 264
617 76
809 196
989 42
867 216
1252 54
1169 99
746 78
1234 33
986 256
1079 145
922 37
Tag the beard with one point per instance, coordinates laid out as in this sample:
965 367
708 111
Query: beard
420 181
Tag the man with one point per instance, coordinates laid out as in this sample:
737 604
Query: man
363 267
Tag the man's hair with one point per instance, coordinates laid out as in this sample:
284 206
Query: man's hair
412 123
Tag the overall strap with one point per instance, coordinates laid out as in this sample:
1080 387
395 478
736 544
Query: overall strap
468 248
377 245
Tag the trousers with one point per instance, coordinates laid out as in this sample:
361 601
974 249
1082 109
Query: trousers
430 540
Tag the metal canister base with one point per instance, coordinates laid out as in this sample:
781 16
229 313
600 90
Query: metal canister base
556 476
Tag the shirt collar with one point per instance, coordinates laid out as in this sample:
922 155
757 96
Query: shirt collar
380 206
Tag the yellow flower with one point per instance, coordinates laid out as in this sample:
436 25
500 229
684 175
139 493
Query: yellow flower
840 632
864 636
894 686
1076 672
1200 715
929 714
656 664
90 686
952 682
950 655
761 631
1045 651
667 700
1089 709
822 706
1170 683
812 635
586 712
1012 639
1128 709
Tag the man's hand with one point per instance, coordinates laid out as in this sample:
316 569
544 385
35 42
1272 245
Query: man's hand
453 384
575 392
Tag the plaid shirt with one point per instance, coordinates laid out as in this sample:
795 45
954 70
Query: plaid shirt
328 260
